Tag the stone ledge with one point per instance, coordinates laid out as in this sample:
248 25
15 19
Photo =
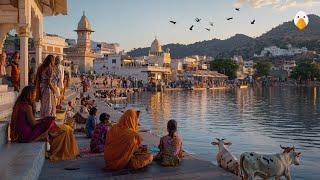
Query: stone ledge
22 161
3 133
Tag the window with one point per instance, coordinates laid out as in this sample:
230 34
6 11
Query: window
114 61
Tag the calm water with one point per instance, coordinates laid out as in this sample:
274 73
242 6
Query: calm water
253 120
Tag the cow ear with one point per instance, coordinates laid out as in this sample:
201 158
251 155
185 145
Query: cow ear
227 143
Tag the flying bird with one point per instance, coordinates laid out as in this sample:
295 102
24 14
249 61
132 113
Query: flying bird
211 23
191 28
229 18
173 22
198 20
237 9
207 29
252 22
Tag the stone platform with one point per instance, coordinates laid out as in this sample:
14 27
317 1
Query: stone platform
93 168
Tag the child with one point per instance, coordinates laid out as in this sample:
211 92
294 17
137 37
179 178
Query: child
91 122
170 146
99 135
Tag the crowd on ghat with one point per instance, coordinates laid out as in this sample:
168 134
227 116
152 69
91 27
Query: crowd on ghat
119 141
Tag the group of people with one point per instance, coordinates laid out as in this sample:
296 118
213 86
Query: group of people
124 148
10 70
25 128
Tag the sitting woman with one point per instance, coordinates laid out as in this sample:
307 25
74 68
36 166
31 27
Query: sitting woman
91 122
24 128
170 146
81 116
70 110
99 135
122 149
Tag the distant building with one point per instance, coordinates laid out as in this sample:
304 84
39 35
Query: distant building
81 54
154 67
284 65
275 51
157 57
104 48
51 45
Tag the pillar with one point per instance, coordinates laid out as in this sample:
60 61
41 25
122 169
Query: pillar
38 46
24 33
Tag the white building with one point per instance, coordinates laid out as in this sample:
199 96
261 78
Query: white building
146 68
276 51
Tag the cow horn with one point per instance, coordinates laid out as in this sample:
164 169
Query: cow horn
282 147
223 139
217 139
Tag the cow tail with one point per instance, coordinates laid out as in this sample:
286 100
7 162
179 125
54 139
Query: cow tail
241 170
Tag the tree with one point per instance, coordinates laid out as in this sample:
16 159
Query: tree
306 71
263 68
225 66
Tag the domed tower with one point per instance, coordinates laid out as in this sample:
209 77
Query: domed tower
84 32
155 48
81 54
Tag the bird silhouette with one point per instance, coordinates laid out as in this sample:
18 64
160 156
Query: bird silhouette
252 22
191 28
207 29
229 18
173 22
198 20
211 23
237 9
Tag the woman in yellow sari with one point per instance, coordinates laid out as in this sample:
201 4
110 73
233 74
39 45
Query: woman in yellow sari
122 149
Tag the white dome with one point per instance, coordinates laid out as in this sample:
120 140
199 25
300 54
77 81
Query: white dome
155 46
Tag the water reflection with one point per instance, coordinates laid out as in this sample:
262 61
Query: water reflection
253 119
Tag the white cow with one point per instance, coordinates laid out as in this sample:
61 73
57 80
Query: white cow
268 166
225 158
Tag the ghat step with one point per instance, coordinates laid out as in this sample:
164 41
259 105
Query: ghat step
20 161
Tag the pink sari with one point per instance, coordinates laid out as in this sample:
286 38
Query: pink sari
20 129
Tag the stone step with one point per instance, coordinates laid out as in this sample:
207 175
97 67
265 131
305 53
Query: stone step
22 161
7 97
5 111
3 87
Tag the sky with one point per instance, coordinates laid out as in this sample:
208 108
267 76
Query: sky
135 23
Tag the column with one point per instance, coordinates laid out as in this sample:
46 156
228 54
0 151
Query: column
24 32
38 46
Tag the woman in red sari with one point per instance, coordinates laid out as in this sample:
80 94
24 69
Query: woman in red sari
24 128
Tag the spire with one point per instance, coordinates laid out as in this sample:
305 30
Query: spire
84 13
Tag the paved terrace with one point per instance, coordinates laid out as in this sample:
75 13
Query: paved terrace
93 167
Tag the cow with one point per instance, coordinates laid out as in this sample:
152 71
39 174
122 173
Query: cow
225 158
268 166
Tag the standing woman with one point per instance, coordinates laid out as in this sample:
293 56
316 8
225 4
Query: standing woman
45 87
3 64
15 71
58 79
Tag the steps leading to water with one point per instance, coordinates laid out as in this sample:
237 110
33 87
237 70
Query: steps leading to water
18 161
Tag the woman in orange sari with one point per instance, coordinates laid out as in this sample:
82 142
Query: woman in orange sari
15 71
122 149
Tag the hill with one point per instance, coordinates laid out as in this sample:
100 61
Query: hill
246 46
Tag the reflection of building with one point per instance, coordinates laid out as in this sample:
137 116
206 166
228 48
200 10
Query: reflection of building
81 54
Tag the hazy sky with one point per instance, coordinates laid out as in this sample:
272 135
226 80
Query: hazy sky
135 23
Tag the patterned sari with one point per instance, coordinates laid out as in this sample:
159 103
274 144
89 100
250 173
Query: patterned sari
170 150
99 138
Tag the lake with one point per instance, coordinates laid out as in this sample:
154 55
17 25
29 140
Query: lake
256 120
